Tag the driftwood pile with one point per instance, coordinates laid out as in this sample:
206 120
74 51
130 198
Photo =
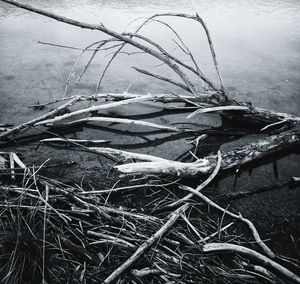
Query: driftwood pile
53 232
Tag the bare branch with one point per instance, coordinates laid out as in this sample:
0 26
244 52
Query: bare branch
159 77
32 122
172 218
265 261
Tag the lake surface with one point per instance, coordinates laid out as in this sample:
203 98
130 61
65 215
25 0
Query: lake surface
258 50
257 45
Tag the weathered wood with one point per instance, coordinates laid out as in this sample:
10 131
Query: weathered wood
239 217
265 261
235 158
146 245
32 122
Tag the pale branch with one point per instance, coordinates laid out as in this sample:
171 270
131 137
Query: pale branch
201 186
126 155
100 47
74 66
185 49
257 257
166 167
207 238
78 141
178 61
172 218
32 122
212 49
198 72
129 187
163 98
233 159
144 272
162 78
261 272
63 46
239 217
95 108
217 109
111 238
200 20
123 121
89 62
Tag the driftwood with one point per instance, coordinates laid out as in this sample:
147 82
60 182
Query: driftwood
122 120
266 262
117 230
235 158
20 127
78 141
146 245
216 102
202 185
239 217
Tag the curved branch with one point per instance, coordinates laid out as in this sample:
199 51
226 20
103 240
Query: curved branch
265 261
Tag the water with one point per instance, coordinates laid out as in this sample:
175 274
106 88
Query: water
258 50
257 44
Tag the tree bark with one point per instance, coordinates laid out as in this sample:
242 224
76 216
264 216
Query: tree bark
233 159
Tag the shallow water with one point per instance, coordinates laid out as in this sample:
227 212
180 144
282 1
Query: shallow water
257 44
258 50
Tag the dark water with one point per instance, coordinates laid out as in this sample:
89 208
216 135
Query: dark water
258 49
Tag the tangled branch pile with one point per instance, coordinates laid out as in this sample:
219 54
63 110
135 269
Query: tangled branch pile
57 232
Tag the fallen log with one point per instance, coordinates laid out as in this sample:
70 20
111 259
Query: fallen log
233 159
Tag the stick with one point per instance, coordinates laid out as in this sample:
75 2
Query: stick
79 141
239 217
35 121
266 262
159 77
127 155
125 121
215 233
216 109
166 167
94 108
201 186
146 245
